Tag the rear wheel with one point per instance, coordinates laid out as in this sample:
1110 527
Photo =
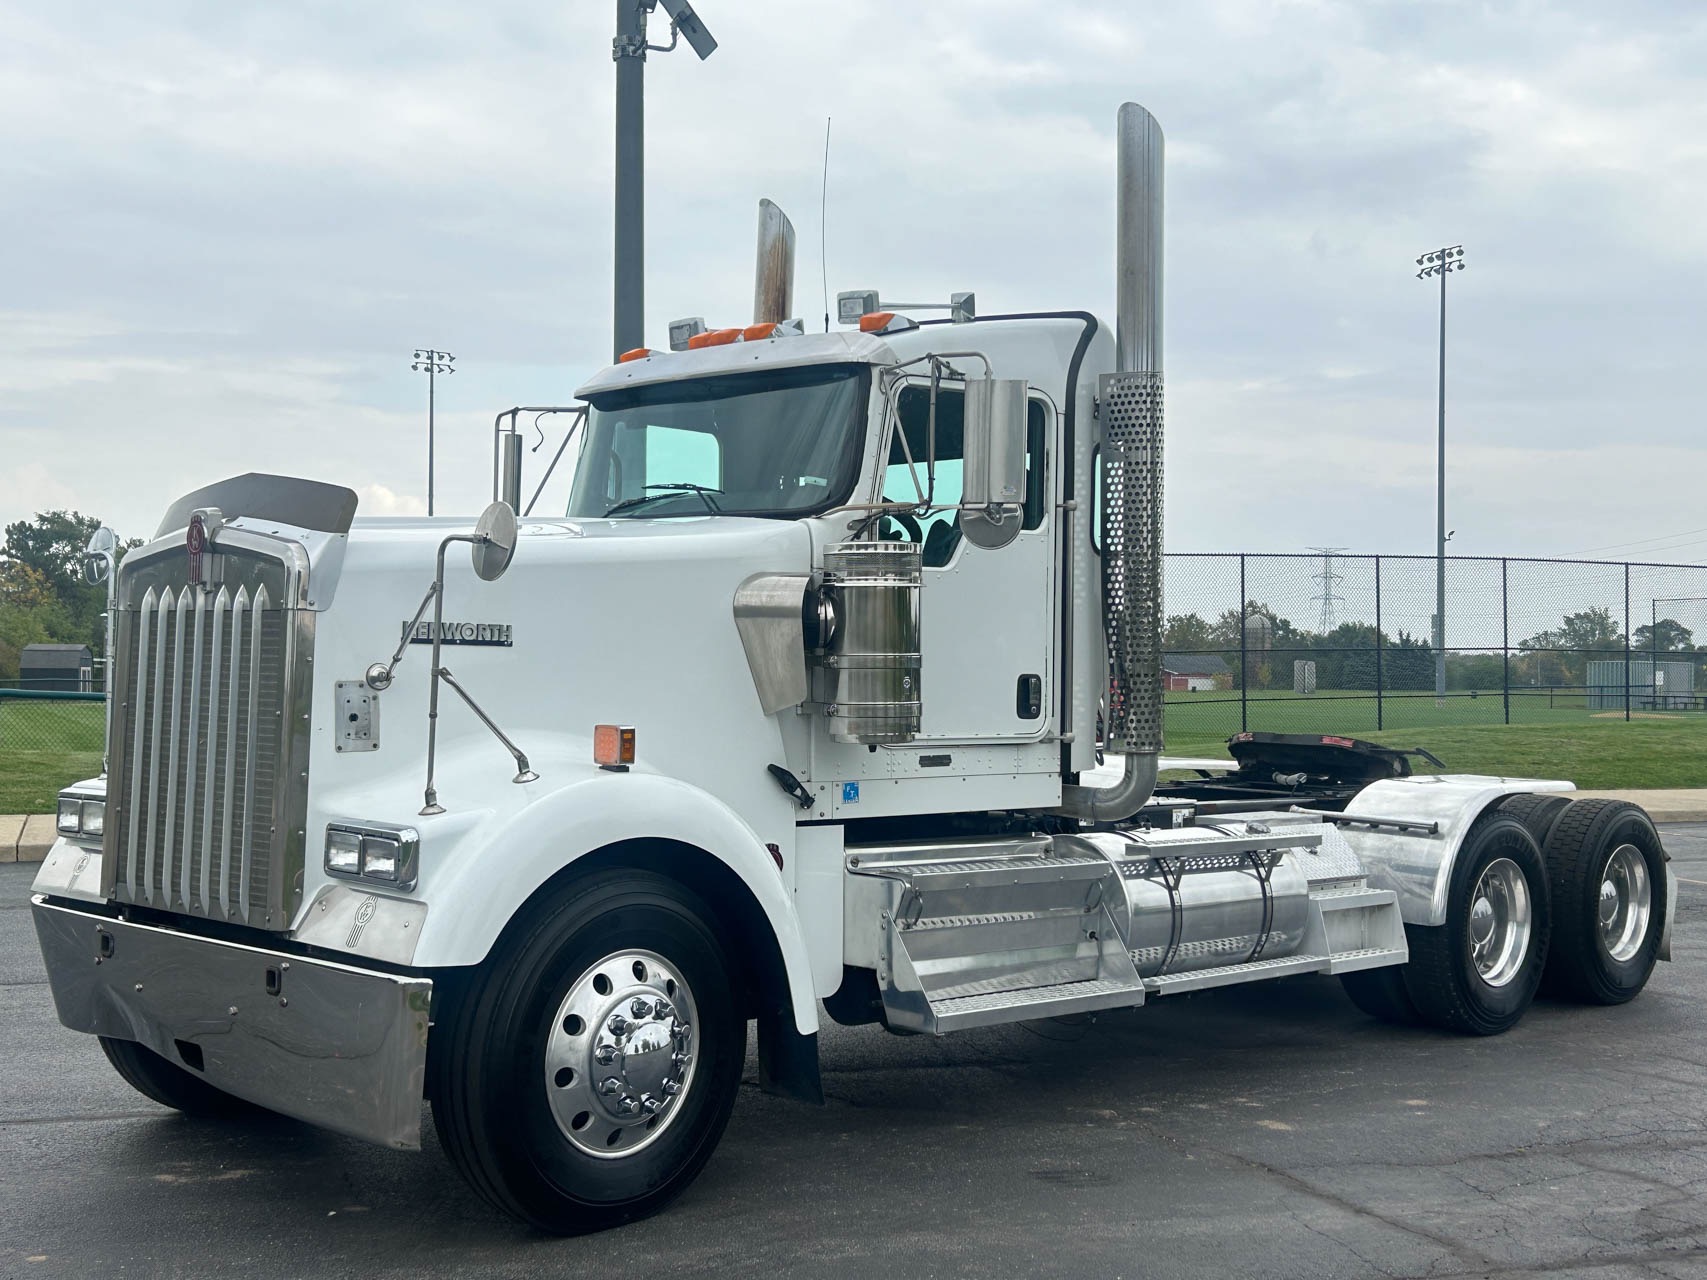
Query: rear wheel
1539 811
586 1075
1608 876
1477 972
167 1083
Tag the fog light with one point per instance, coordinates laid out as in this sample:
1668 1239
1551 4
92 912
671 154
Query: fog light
70 815
343 852
94 817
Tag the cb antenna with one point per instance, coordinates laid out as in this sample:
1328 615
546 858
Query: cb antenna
823 239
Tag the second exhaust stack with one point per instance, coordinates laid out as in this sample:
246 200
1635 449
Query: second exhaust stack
1129 421
773 277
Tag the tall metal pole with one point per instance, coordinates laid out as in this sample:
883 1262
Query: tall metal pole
628 50
1440 518
1438 263
432 362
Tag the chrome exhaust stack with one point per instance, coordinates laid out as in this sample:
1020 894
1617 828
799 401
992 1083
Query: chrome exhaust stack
773 277
1129 417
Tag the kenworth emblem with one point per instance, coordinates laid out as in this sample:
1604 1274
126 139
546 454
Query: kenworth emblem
495 634
195 542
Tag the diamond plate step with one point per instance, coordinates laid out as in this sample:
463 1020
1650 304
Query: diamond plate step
960 1012
1281 967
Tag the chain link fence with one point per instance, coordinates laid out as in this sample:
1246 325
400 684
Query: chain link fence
1332 643
33 720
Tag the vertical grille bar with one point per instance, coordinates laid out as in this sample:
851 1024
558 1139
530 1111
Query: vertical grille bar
138 712
170 853
234 670
254 715
216 672
186 844
163 627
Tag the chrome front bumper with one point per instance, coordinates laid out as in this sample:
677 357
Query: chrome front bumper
337 1046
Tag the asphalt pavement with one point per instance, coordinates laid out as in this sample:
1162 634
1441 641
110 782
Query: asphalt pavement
1269 1130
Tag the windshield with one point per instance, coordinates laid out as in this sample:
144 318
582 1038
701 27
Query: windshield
778 443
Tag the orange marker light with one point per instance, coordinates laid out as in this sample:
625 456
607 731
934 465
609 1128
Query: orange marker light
713 338
875 321
638 353
613 745
755 332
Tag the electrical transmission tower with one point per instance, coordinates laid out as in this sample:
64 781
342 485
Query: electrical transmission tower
1330 578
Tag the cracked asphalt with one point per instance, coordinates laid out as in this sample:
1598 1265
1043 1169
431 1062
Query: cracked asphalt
1269 1130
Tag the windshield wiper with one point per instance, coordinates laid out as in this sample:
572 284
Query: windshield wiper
704 492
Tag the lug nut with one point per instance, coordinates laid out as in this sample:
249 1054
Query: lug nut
639 1008
671 1087
627 1104
618 1024
605 1054
662 1008
651 1106
609 1085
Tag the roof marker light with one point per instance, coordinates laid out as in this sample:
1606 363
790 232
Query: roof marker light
755 332
638 353
713 338
886 322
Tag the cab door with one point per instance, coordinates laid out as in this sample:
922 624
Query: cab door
986 616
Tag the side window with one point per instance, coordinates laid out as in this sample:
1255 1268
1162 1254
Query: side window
673 454
941 529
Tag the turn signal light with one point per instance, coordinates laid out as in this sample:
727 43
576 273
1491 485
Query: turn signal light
613 746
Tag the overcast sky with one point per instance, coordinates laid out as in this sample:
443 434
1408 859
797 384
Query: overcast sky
227 223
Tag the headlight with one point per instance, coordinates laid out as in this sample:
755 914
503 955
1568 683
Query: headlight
374 851
80 817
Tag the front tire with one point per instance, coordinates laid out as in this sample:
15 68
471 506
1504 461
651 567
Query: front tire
169 1084
588 1071
1477 972
1608 874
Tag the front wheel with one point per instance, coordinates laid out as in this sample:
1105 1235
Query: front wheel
1478 971
167 1083
588 1072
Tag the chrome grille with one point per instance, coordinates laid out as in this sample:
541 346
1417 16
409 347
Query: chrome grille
209 728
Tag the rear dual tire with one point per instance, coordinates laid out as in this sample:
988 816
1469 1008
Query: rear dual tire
1608 875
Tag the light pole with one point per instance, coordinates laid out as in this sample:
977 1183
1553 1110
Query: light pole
628 51
1439 263
432 363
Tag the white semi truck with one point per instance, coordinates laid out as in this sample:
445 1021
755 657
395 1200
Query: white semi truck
833 692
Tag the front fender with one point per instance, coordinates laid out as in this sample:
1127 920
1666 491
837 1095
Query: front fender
1417 865
489 884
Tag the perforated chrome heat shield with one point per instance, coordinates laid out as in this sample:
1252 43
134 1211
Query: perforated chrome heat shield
1130 409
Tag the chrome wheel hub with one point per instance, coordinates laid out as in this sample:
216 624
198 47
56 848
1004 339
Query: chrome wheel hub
620 1054
1626 902
1500 922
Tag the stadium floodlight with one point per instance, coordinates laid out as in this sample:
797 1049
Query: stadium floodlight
1440 262
686 21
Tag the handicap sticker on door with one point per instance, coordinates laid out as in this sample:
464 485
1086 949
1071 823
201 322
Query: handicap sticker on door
850 793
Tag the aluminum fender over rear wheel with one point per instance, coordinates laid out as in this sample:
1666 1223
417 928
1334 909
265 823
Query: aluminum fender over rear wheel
1444 809
169 1084
490 881
1607 870
583 1075
1477 972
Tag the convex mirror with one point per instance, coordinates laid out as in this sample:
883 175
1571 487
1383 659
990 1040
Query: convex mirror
994 477
494 541
99 554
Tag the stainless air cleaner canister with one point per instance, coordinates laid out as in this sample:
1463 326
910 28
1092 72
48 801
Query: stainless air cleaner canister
871 687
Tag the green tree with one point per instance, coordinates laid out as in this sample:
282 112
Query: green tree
1667 635
50 549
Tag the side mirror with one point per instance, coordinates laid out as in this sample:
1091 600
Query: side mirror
494 541
99 554
993 483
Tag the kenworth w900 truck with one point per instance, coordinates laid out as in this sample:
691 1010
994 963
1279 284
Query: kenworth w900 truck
796 711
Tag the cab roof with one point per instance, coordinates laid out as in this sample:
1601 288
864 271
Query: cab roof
735 357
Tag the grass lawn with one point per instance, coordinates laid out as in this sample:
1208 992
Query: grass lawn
1593 753
45 746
